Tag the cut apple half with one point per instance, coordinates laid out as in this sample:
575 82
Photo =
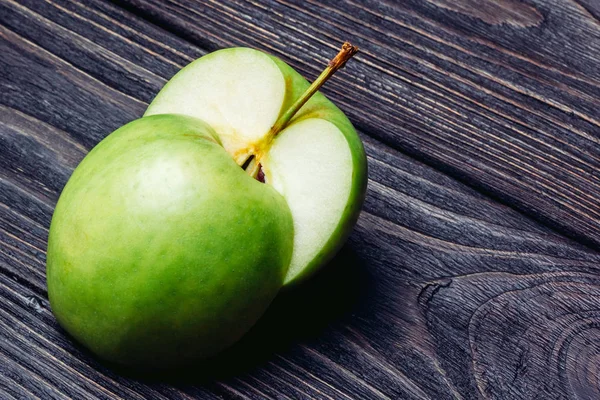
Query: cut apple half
312 156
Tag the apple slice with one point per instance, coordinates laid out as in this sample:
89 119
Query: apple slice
267 115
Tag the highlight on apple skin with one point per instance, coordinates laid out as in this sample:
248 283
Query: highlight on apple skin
165 248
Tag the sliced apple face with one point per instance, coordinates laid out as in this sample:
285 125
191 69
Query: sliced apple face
315 180
239 92
316 162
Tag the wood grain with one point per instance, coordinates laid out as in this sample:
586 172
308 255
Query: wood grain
510 12
441 292
508 340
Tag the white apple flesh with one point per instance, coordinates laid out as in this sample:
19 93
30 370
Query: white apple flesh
316 161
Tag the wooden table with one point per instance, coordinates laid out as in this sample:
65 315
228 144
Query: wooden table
473 271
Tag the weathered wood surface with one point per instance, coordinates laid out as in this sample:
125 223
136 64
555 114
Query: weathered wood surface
441 291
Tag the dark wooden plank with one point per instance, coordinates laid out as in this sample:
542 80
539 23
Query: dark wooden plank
503 95
388 319
508 340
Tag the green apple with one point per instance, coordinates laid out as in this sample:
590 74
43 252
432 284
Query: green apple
312 155
161 248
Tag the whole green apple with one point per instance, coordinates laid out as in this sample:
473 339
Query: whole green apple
176 232
161 248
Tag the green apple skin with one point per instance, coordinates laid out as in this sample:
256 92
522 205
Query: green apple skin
320 107
161 249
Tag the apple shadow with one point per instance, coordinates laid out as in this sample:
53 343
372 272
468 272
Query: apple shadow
296 316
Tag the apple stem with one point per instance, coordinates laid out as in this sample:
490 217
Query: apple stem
336 63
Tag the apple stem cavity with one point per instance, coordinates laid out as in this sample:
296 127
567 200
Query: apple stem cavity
252 166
